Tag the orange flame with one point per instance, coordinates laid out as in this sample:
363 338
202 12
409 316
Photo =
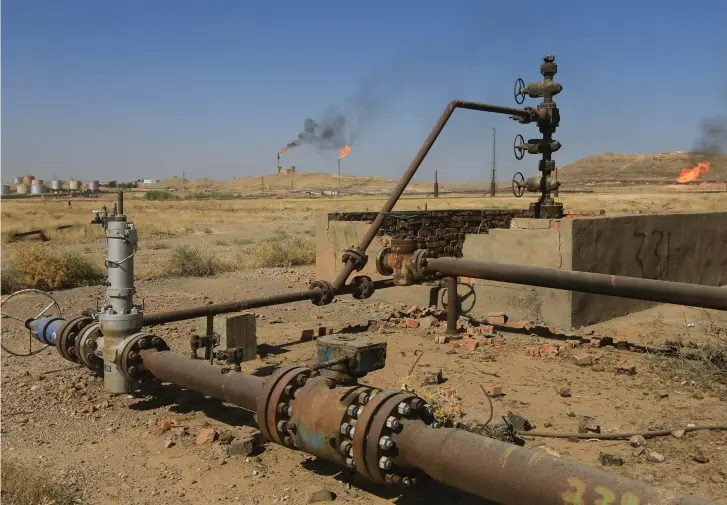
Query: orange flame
689 174
284 149
344 152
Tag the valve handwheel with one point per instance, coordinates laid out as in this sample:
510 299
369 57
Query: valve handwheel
19 308
519 151
519 91
518 184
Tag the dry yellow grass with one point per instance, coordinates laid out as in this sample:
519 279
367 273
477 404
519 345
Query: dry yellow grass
24 485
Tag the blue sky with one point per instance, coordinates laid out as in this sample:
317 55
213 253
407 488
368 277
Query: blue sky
149 88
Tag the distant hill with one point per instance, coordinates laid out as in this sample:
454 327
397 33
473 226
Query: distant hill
661 168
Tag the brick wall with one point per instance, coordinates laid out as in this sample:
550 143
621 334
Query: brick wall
440 231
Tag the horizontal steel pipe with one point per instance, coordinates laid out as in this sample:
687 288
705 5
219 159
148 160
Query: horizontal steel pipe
679 293
236 388
252 303
226 308
511 475
413 167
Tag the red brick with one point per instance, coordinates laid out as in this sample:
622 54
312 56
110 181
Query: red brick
206 436
496 319
411 323
494 390
549 349
470 344
626 367
524 325
306 335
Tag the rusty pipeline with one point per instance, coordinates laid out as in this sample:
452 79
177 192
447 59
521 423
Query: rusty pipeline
402 261
391 437
239 389
360 287
511 475
524 115
679 293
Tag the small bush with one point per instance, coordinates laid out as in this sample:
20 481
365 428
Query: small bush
187 261
10 280
243 241
281 253
41 267
155 246
22 485
208 231
160 195
221 242
212 196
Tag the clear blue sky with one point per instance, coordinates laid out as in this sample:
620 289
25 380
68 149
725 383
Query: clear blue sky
149 88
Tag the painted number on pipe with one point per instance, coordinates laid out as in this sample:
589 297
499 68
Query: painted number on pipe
576 495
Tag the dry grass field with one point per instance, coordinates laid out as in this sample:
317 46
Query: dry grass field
256 232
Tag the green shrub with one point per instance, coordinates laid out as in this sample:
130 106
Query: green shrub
186 261
160 195
42 267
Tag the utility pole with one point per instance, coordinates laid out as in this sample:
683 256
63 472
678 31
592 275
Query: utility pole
183 180
339 177
493 181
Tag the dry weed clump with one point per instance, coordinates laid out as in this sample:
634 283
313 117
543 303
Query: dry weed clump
22 485
447 407
186 261
42 267
280 251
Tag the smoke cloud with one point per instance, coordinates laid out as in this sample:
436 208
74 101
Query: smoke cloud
712 136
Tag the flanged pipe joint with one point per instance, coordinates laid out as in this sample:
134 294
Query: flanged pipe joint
402 261
352 426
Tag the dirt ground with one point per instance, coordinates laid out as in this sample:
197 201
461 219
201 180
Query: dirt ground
57 418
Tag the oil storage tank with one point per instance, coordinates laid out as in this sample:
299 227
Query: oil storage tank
56 185
94 186
75 185
37 188
5 189
22 189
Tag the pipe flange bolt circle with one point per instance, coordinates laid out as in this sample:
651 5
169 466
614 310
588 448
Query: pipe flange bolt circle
131 364
382 266
66 338
85 344
327 289
363 287
355 256
280 388
418 262
376 429
362 424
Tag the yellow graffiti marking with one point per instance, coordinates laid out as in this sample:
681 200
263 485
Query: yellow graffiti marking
575 495
508 451
629 498
607 496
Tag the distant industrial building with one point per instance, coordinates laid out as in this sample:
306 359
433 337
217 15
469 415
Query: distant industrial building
151 181
286 171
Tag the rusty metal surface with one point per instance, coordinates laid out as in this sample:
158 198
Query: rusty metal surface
452 306
679 293
278 390
511 475
523 114
251 303
318 412
236 388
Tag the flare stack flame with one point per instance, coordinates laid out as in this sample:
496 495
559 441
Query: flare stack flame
690 174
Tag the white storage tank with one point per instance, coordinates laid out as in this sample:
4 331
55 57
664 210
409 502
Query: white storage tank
75 185
56 185
94 186
5 189
37 189
17 180
22 189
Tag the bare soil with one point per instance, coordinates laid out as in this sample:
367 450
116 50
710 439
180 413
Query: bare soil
57 417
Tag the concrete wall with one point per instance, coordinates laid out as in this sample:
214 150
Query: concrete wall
688 247
674 247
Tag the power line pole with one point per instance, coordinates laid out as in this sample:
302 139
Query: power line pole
493 181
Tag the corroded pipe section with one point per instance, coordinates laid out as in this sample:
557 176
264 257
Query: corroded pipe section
236 388
679 293
512 475
525 115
